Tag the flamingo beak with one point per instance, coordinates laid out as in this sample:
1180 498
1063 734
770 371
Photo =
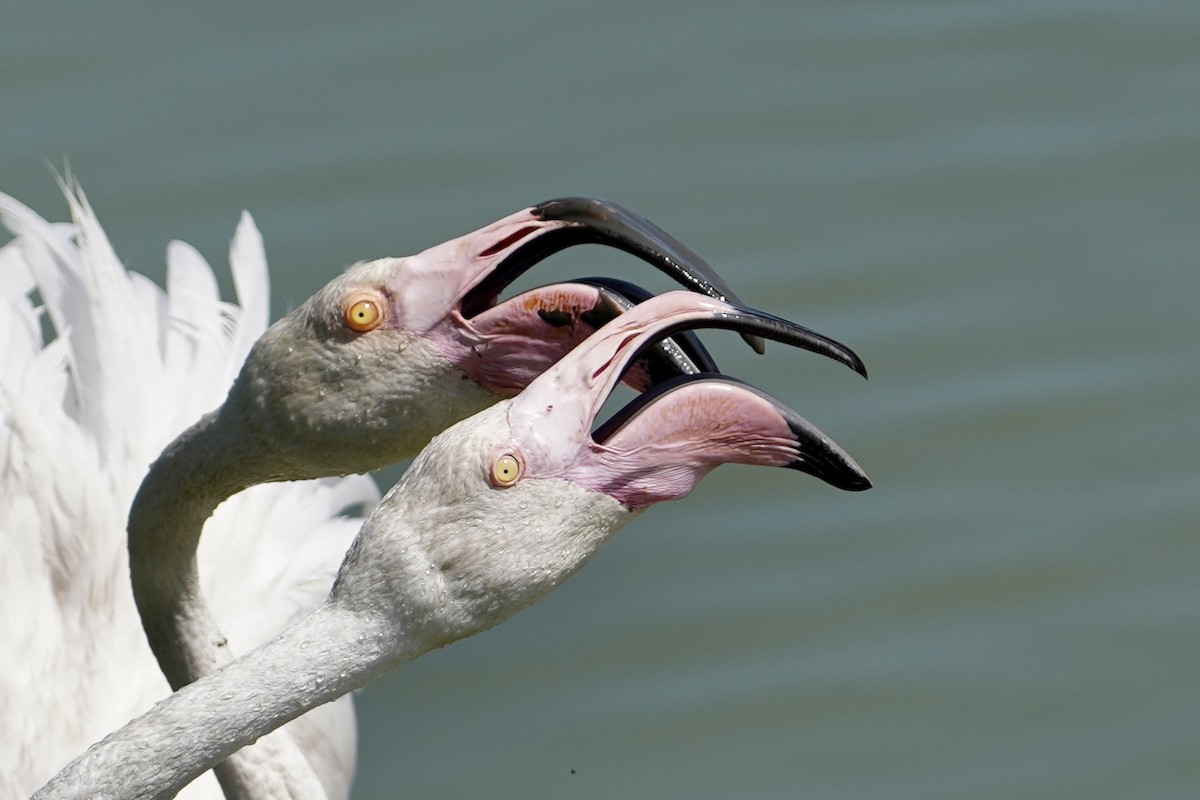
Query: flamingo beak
660 445
547 228
450 294
514 342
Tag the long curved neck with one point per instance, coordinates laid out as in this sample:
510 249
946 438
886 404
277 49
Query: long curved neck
332 652
207 464
211 461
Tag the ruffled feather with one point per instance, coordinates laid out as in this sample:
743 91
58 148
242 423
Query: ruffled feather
99 370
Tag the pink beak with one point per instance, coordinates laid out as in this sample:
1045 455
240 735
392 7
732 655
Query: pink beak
666 440
449 293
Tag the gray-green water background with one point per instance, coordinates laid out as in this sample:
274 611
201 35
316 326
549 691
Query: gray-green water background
996 204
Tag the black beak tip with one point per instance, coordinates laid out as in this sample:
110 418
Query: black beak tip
849 358
845 476
858 482
821 457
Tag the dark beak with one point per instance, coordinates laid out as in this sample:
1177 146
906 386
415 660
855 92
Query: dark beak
588 220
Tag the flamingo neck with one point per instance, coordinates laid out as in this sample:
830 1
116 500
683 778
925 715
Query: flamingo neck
332 652
210 462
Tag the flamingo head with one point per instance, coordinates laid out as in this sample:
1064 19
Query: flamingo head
502 507
391 352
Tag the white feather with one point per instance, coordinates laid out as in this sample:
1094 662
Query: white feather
99 370
248 262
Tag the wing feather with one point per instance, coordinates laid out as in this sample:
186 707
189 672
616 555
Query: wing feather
99 370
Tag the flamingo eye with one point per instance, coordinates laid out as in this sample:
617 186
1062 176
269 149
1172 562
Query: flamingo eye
505 471
363 315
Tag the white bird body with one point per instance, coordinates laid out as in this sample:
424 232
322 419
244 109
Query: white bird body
126 369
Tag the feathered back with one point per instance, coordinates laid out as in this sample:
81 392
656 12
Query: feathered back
99 370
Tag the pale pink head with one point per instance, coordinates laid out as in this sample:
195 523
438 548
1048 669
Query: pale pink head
499 509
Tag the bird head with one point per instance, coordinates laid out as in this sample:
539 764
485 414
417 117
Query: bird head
502 507
391 352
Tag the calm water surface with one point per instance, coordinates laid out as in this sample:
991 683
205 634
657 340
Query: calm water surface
995 204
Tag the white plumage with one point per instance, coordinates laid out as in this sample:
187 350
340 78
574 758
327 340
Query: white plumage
113 369
494 513
99 370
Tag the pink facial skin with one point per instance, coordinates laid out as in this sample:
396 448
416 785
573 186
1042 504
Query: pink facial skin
663 452
507 346
672 436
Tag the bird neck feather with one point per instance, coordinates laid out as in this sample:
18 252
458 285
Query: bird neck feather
216 458
209 462
330 653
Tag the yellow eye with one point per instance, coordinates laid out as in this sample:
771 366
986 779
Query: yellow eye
506 470
363 315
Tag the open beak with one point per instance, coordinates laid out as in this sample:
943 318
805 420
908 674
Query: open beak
553 226
451 293
514 342
660 445
468 274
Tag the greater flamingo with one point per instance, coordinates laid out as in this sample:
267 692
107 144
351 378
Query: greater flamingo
494 513
358 377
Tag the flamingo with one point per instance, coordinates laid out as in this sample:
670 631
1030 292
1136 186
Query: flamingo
494 513
360 376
